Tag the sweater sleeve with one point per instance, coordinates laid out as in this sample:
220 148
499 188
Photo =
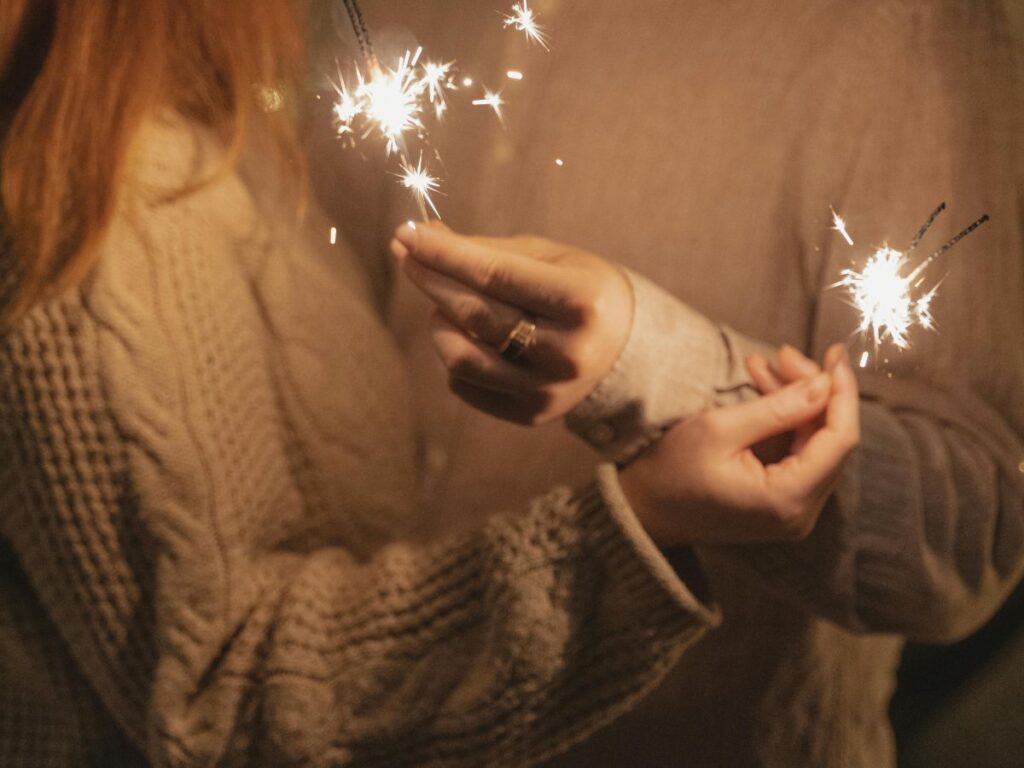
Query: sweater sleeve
925 533
164 549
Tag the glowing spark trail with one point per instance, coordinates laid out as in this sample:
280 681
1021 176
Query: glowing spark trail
523 20
840 226
887 293
492 100
437 78
420 184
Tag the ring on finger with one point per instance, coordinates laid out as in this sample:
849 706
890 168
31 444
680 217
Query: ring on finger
520 339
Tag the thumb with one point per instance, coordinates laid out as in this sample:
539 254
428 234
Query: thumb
783 410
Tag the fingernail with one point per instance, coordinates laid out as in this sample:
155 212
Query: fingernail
818 387
407 234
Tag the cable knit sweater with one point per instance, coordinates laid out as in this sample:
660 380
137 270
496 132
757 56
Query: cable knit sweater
702 143
205 465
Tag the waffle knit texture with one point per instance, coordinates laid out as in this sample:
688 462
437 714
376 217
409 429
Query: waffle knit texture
702 145
206 471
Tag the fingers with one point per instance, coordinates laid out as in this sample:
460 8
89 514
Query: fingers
741 426
821 458
470 361
761 373
794 365
487 319
551 355
531 284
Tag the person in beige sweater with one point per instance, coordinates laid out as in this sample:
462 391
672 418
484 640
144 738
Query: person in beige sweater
701 145
208 464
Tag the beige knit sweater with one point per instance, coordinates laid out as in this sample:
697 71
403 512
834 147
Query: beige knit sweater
703 142
205 464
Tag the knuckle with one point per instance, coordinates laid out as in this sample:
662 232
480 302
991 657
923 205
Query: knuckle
462 366
708 426
779 407
473 314
492 274
794 521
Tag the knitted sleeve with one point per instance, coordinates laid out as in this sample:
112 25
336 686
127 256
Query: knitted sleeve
155 536
925 533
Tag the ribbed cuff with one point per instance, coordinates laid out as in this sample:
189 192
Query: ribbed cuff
632 538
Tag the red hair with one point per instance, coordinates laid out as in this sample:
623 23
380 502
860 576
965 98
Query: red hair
77 77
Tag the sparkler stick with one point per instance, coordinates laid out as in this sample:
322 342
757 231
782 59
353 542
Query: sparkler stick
925 227
391 102
963 233
355 15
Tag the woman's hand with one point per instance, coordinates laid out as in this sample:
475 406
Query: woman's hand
580 304
703 483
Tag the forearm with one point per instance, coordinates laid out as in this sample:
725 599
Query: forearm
676 363
924 535
499 648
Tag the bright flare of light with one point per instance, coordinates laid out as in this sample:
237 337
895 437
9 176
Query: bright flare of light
884 296
393 99
514 74
492 100
523 20
420 184
840 226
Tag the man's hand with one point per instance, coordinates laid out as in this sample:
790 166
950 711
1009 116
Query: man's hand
582 306
703 483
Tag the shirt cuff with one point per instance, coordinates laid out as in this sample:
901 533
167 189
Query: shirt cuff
675 363
679 576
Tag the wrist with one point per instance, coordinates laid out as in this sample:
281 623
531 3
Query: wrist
637 487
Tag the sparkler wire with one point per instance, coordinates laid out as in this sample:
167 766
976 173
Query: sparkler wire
925 227
355 16
963 233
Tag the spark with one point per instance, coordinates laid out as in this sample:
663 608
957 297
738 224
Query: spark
492 100
888 293
523 20
864 359
334 235
467 82
840 226
514 74
437 79
420 184
883 295
559 162
393 99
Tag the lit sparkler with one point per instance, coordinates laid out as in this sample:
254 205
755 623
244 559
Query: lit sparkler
888 293
523 20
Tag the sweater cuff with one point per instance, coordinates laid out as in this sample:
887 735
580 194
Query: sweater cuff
675 363
684 589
